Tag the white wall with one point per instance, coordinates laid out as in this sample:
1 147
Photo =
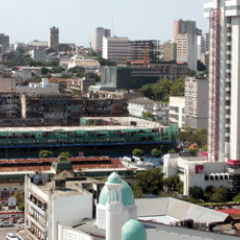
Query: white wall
70 210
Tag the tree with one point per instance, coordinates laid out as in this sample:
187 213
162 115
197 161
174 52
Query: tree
80 75
162 87
138 152
147 114
18 197
76 69
221 194
156 153
196 192
44 71
172 151
237 198
172 182
208 193
104 62
45 154
150 181
21 207
191 72
178 87
57 69
193 152
91 75
65 154
146 90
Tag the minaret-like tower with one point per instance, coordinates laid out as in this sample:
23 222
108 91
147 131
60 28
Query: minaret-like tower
114 209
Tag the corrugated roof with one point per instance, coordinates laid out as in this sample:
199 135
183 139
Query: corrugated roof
141 100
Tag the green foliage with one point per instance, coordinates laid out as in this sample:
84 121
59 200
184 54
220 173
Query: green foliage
44 70
91 75
0 207
196 192
57 69
76 69
137 191
208 193
201 66
61 88
18 197
193 152
199 136
162 88
172 182
156 153
21 207
179 187
104 62
178 87
172 151
65 154
204 148
191 72
221 194
45 154
237 198
80 75
150 181
147 114
63 76
146 90
138 152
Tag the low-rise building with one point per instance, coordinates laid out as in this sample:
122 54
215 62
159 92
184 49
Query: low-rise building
7 84
22 74
87 64
137 106
177 111
38 55
196 171
38 88
81 84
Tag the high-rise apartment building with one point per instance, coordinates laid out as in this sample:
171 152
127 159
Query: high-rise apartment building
170 51
205 43
53 38
187 26
224 87
187 49
99 33
4 42
115 48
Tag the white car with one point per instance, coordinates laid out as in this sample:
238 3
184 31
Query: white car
11 236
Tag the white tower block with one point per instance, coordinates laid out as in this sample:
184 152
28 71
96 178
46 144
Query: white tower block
114 209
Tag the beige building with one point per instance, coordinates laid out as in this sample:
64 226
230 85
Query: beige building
196 102
7 84
187 49
170 51
81 84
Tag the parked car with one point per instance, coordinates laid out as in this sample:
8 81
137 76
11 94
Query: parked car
11 236
7 224
20 220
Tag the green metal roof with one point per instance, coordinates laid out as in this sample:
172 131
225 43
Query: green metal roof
62 164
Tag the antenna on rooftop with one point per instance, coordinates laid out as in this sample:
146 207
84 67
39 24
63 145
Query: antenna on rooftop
112 25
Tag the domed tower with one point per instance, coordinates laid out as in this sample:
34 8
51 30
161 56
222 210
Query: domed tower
133 230
126 197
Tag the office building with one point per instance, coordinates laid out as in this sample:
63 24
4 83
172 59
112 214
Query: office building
144 50
170 51
99 33
53 38
115 48
196 102
205 42
134 77
4 41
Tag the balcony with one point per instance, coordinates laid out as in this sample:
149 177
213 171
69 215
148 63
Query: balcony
229 34
229 25
227 107
41 211
228 80
227 134
228 70
228 52
228 89
43 229
228 61
227 116
228 43
227 125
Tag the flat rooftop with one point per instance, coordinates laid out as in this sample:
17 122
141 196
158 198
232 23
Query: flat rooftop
117 123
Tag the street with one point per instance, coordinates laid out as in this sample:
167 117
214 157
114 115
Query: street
5 231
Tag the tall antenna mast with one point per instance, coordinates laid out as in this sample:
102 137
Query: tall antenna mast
112 25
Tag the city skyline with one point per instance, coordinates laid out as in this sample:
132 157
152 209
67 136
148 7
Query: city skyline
149 20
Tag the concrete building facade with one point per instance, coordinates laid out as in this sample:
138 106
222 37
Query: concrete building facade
7 84
170 51
177 111
38 55
115 48
4 42
196 103
187 49
53 38
99 33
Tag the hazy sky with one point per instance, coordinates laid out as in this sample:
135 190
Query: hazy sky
26 20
